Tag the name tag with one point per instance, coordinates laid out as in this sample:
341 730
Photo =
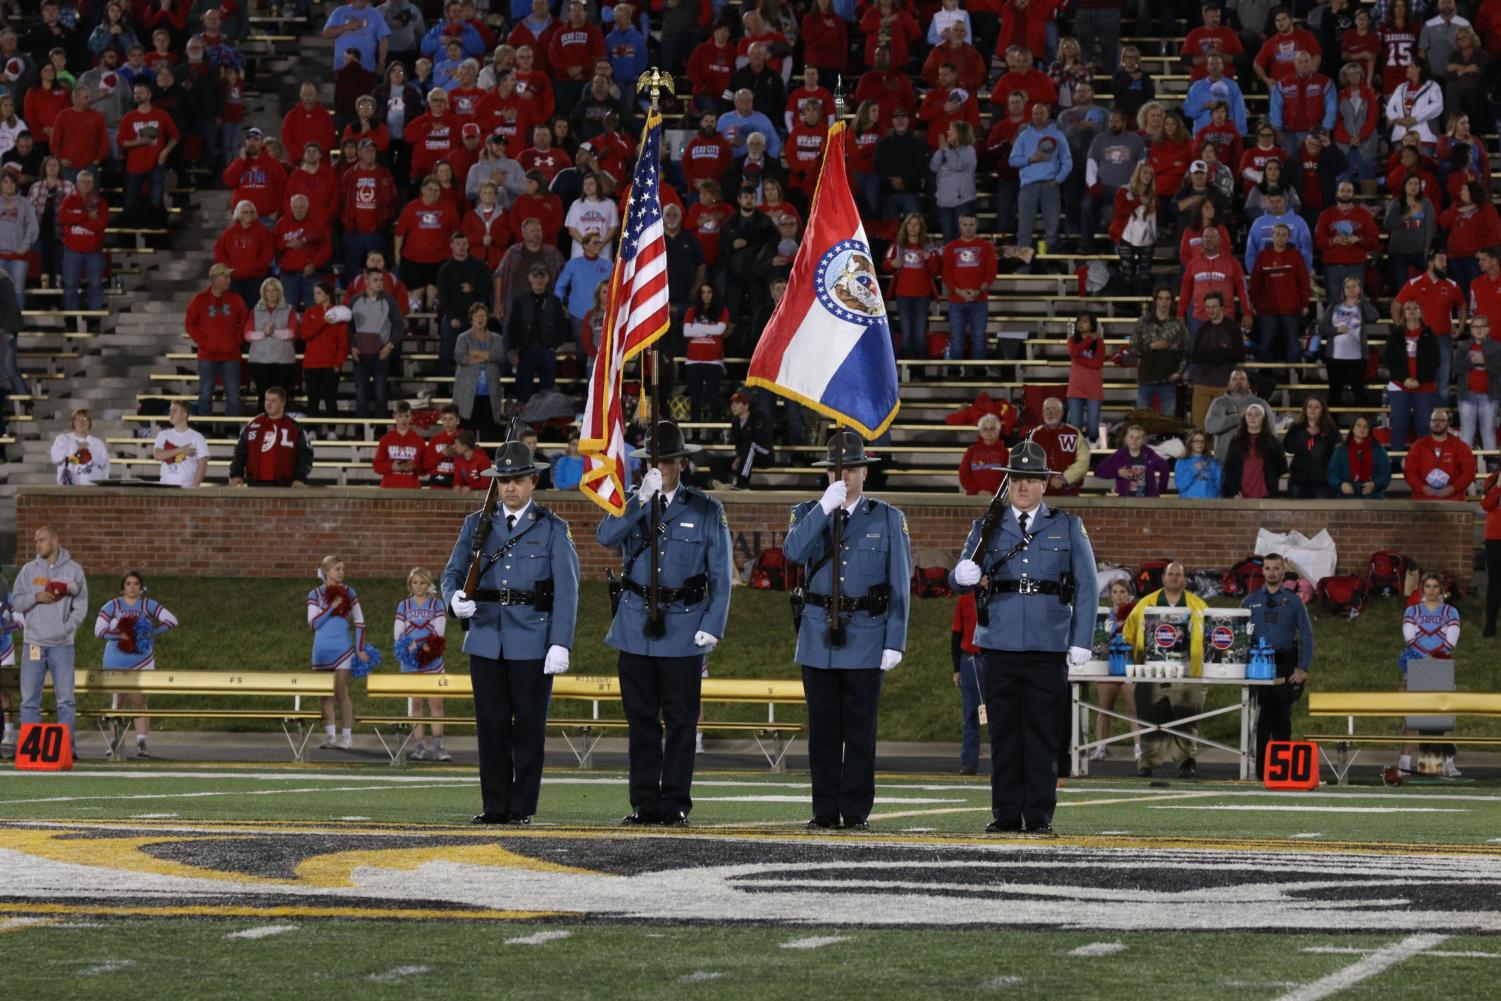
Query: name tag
872 535
686 524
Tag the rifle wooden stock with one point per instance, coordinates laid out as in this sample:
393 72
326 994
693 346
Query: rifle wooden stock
481 536
994 515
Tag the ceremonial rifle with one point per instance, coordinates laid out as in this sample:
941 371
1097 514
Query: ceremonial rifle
485 527
989 524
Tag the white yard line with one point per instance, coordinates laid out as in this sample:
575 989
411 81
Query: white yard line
1364 968
18 924
264 931
814 942
541 938
398 973
1099 949
206 795
108 966
699 977
1272 808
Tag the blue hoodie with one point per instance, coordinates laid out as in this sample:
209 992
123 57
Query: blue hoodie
1058 163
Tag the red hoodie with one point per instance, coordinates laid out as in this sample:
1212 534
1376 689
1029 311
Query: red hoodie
325 345
321 187
394 447
247 249
1470 231
303 125
80 138
1491 503
980 469
497 225
575 48
1353 221
315 249
470 472
968 264
260 179
431 139
83 223
1451 455
434 463
913 269
425 230
217 325
1279 282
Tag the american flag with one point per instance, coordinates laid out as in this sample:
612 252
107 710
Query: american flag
635 317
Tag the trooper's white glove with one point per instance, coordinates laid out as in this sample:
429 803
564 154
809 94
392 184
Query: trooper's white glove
461 605
833 498
966 573
1078 656
651 485
890 659
705 641
557 660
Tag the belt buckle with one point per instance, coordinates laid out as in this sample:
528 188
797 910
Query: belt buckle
1028 586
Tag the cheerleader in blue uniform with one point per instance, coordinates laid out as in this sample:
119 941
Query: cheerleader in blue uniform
1430 631
420 624
129 625
338 624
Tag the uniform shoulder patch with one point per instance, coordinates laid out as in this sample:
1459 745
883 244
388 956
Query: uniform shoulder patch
905 529
724 519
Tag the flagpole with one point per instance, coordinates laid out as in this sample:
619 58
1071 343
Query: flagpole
836 615
654 81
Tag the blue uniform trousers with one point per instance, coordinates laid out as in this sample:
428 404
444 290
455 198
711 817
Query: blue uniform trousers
510 722
1026 695
661 693
842 705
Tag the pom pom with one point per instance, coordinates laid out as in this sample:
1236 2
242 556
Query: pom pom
362 668
129 635
144 634
418 648
338 314
58 589
336 597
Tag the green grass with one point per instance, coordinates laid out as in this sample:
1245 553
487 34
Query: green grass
259 624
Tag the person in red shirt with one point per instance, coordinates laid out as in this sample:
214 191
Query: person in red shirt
308 121
463 159
809 91
1471 224
572 52
825 40
998 154
398 454
1220 133
272 450
709 70
256 176
422 234
1485 289
1277 59
1252 165
83 216
318 182
488 226
433 136
147 135
505 111
45 100
1213 270
889 88
215 321
1361 45
469 464
969 269
1443 306
706 217
1211 38
303 250
80 136
1086 378
247 248
707 155
325 340
1280 288
778 45
944 105
1023 76
914 262
535 31
1345 235
540 204
437 459
980 469
1439 466
535 86
885 22
970 70
804 148
466 97
1066 447
369 203
543 157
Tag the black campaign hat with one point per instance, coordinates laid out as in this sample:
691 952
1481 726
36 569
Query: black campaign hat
669 440
848 449
513 459
1028 459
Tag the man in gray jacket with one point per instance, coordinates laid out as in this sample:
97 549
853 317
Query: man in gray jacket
1225 413
376 329
51 597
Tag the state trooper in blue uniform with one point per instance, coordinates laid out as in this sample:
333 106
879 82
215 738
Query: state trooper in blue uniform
1279 617
661 667
1036 617
842 680
520 628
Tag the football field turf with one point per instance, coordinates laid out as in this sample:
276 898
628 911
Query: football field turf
172 882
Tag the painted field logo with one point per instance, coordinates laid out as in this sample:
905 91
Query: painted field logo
1165 636
847 285
1222 637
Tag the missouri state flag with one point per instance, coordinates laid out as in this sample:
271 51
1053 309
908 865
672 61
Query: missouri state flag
828 344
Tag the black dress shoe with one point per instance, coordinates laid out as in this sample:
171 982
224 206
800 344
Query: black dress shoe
519 818
1042 831
677 818
1003 827
636 818
967 769
1188 769
856 825
1144 772
821 824
489 818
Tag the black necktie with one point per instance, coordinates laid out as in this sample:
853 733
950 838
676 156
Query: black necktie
510 522
1021 522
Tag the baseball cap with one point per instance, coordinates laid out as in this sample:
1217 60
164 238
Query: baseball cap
901 113
497 137
741 398
470 129
959 94
220 269
367 142
1198 167
254 133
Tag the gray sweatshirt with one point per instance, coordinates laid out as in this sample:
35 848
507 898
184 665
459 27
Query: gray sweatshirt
18 226
279 348
54 624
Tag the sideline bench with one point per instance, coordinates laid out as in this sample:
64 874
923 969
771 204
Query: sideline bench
297 723
1353 704
773 737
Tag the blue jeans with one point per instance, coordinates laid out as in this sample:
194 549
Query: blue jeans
297 289
538 365
913 310
867 191
1029 200
58 660
1361 168
900 204
154 181
1166 393
1464 270
448 341
972 695
356 246
948 219
370 376
967 329
207 372
17 271
1441 380
1084 414
1277 337
1477 421
89 266
1409 411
